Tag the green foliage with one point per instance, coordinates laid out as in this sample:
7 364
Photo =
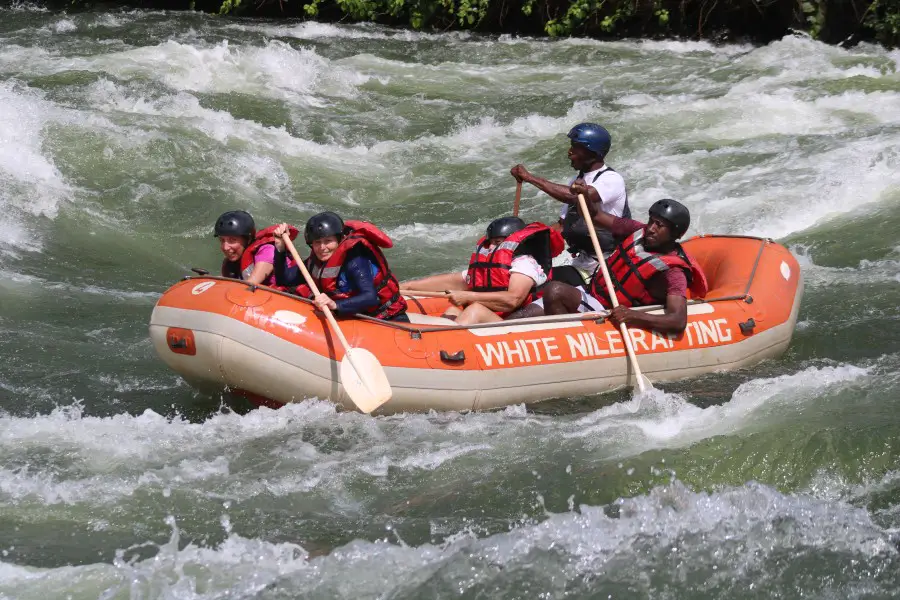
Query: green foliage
467 13
883 17
607 18
610 15
663 17
814 12
228 6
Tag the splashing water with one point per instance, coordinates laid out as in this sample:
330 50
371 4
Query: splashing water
124 134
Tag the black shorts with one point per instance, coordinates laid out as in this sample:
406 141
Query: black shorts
568 274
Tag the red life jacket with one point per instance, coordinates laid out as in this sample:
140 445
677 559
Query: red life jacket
631 266
359 233
266 236
489 267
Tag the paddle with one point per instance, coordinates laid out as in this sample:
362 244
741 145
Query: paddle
642 382
518 198
424 294
363 376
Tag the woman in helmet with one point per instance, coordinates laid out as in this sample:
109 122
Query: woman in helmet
508 267
249 255
348 267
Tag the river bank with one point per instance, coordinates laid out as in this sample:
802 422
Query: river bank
845 22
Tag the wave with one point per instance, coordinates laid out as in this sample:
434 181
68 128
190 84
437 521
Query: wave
31 185
733 537
299 435
868 272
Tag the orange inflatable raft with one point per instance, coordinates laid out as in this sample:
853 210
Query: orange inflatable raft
274 348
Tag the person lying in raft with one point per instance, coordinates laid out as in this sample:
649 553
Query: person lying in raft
348 267
249 255
507 269
648 267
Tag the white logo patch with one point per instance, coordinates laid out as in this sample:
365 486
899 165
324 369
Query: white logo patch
785 271
289 317
202 287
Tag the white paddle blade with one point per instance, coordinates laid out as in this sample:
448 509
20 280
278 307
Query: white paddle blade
364 379
647 384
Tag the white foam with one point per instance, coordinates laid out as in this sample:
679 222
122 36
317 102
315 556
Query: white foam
787 189
422 460
439 233
868 272
218 125
64 26
23 282
311 30
668 420
108 20
30 183
672 531
26 6
277 69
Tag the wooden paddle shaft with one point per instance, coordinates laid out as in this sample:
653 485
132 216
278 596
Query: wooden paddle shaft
315 291
375 388
610 290
518 198
424 293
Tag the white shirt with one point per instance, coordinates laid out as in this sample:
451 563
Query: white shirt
611 188
609 185
525 265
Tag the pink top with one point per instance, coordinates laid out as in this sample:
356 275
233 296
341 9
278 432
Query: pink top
672 282
266 254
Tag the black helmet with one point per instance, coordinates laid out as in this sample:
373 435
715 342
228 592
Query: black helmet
593 137
674 212
235 222
322 225
504 227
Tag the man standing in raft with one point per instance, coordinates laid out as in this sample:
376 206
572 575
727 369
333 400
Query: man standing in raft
507 269
648 267
249 255
348 267
590 143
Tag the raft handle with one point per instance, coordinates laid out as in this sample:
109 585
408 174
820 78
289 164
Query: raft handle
199 271
747 326
416 335
458 357
748 299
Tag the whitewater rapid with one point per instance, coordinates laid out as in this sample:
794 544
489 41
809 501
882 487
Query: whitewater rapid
123 134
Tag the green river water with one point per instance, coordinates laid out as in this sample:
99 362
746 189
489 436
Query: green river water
124 134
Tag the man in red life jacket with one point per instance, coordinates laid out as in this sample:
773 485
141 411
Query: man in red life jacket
249 255
506 271
647 267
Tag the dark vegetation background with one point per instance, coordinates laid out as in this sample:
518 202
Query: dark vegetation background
831 21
